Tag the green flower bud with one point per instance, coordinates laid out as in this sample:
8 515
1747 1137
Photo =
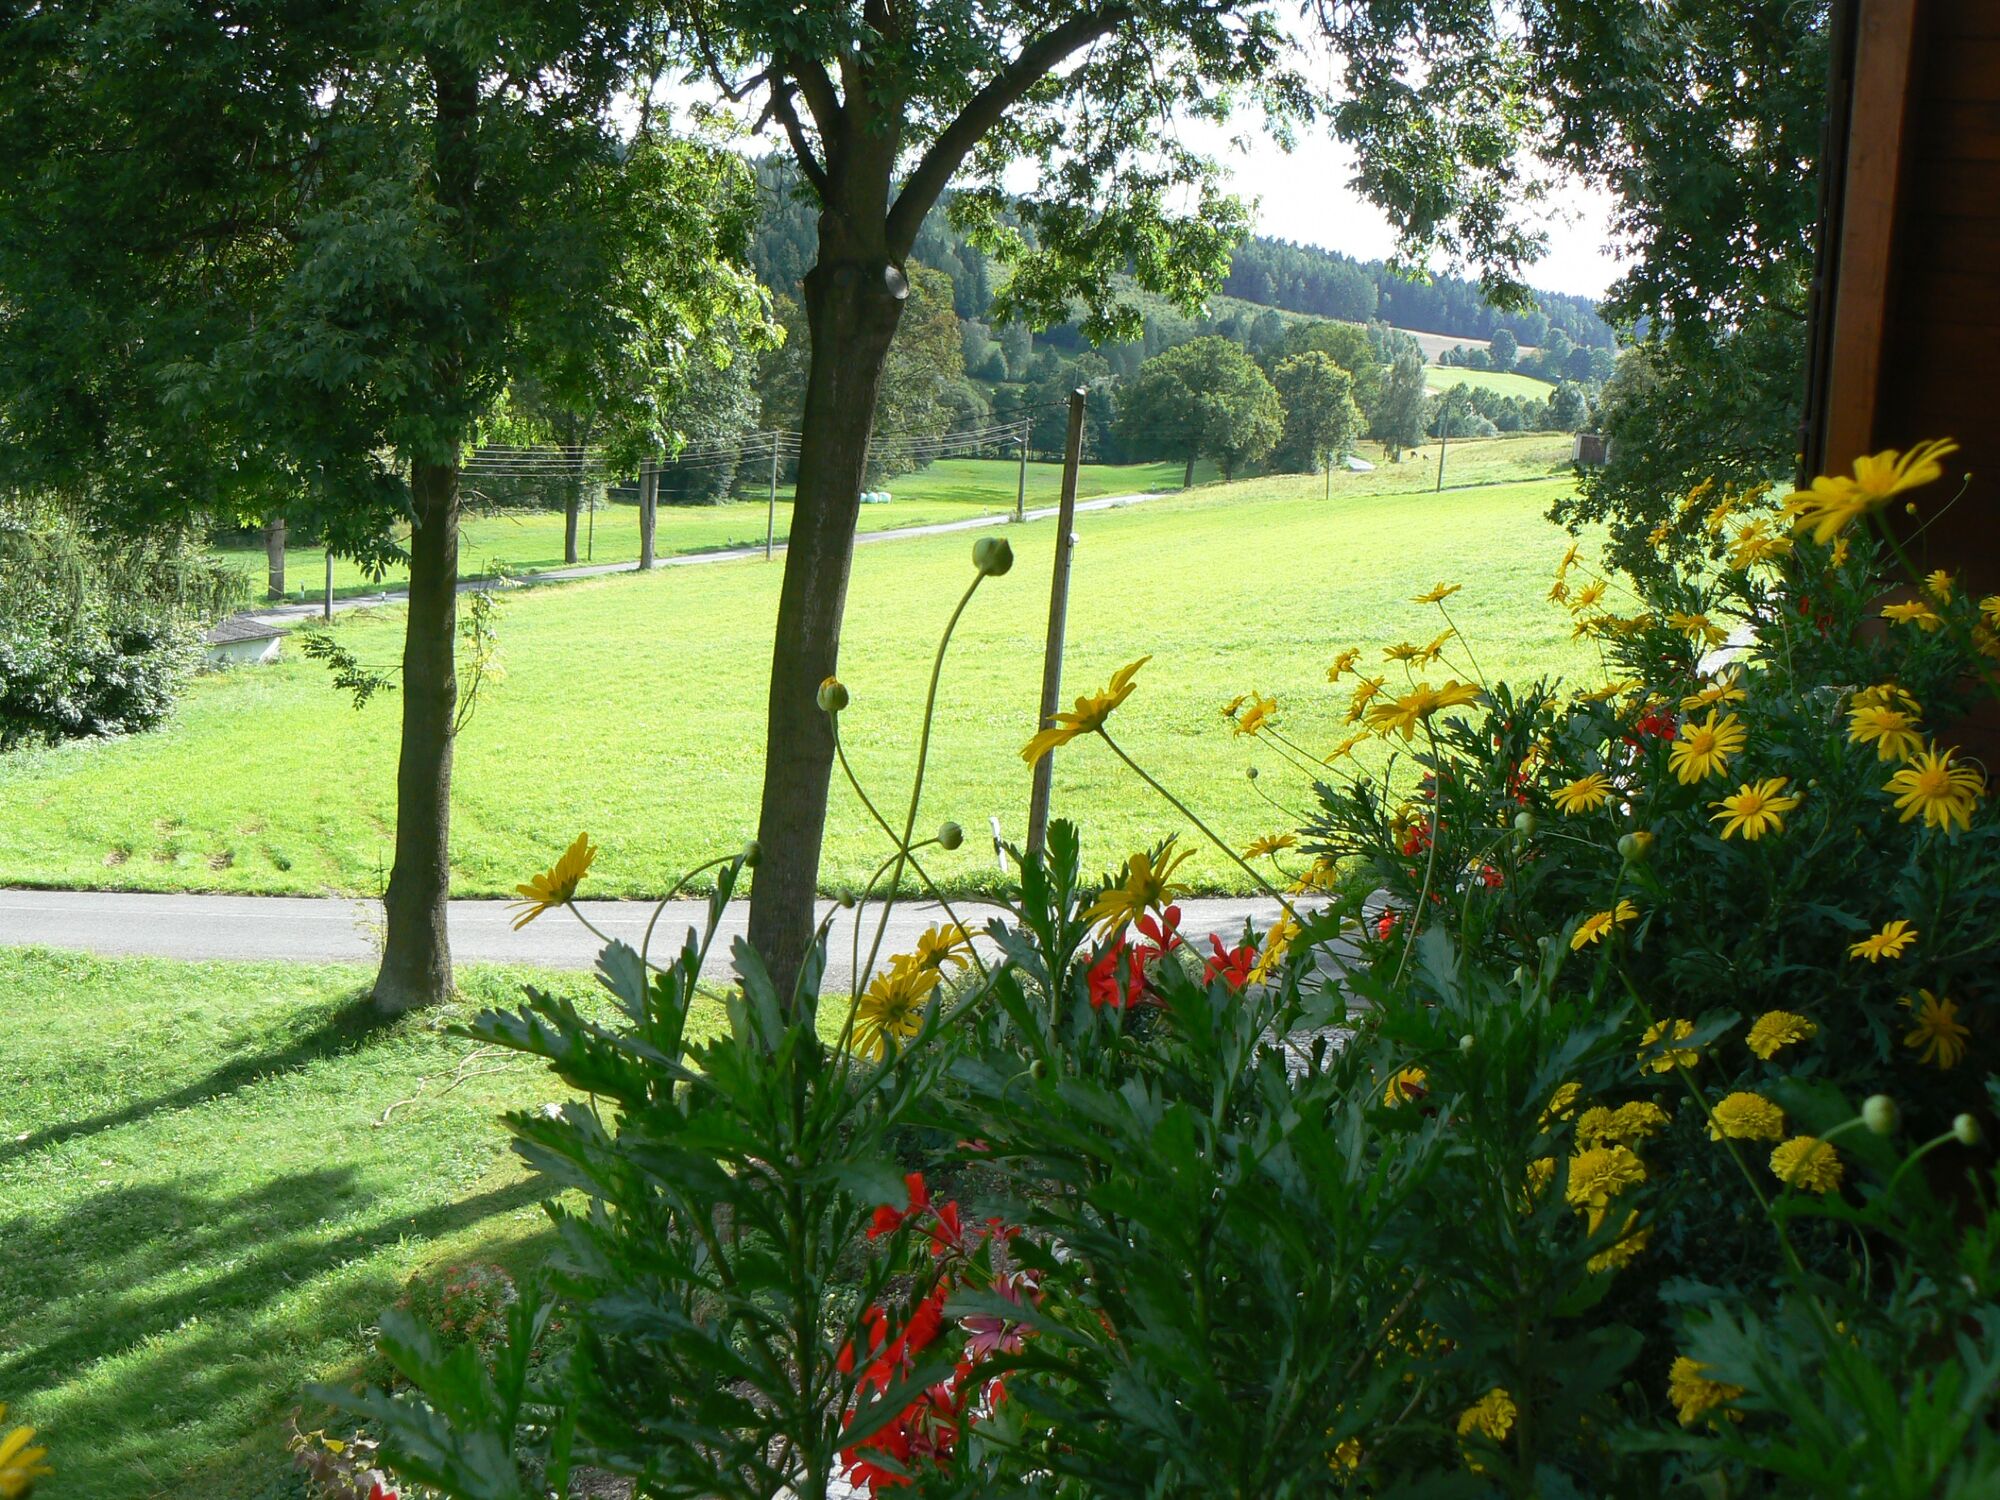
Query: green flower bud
1521 975
1251 773
1038 1069
1525 823
832 696
1878 1113
1635 848
845 900
950 836
752 853
1966 1129
1465 1043
992 555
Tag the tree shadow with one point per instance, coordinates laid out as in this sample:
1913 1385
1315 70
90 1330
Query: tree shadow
341 1030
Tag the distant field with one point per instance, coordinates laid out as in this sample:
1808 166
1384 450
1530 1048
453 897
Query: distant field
1444 377
633 706
532 541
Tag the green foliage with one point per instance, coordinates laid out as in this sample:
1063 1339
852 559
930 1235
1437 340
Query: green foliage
1403 409
1321 419
1204 399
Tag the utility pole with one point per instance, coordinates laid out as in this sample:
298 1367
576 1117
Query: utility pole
1329 479
771 512
1021 484
1444 434
1052 655
327 611
590 532
274 558
649 497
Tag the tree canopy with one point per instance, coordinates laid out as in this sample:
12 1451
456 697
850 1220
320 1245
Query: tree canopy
1205 399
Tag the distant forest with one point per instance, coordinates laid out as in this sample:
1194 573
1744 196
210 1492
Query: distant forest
1272 273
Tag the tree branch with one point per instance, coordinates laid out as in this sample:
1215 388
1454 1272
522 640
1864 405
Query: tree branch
984 111
821 98
795 132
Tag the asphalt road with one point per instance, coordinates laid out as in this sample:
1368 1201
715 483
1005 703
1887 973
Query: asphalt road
311 929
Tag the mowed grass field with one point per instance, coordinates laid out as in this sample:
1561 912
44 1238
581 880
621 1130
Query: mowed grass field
527 542
209 1191
633 707
1444 377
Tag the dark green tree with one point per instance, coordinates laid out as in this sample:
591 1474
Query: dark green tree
1205 399
1321 419
1503 350
284 257
1403 409
1568 409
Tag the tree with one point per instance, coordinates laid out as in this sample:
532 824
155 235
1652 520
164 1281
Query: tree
926 359
255 260
1321 419
1347 345
1403 408
1567 407
1206 399
1504 348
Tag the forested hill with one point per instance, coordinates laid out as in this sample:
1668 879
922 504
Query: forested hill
1273 273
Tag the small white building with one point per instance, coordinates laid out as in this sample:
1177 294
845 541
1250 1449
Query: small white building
243 640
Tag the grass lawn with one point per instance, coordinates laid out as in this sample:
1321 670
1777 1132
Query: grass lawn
1444 377
532 541
202 1212
633 707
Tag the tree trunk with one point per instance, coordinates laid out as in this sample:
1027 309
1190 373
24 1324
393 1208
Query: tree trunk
649 511
416 952
274 558
572 512
853 305
1187 474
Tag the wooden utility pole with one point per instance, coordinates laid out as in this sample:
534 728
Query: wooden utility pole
649 499
1444 435
1052 655
274 558
771 512
326 611
1021 484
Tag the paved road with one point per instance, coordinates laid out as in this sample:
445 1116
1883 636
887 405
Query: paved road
288 614
335 930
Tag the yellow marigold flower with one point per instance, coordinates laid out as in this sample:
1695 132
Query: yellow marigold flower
1269 845
20 1460
1754 811
1437 593
1694 1395
1343 664
1658 1049
1090 713
1261 712
1541 1172
1277 943
1744 1116
1406 1085
1585 794
1938 583
1600 1173
1777 1029
1365 690
943 944
1891 731
1806 1161
1727 688
1914 612
1491 1417
555 886
1621 1251
1834 502
1888 943
1697 627
893 1005
1627 1125
1703 749
1146 886
1405 713
1932 785
1598 924
1562 1104
1938 1032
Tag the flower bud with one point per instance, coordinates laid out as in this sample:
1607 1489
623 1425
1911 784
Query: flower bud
1966 1129
1635 848
992 555
1038 1069
1878 1113
832 696
1521 974
752 853
1251 772
950 836
845 900
1525 823
1465 1043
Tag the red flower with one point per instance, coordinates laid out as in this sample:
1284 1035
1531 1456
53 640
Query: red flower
380 1491
1489 877
1417 839
888 1219
1232 965
1165 933
1104 988
949 1233
1655 725
1385 925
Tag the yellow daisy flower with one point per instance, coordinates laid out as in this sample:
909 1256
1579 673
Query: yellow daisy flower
1558 592
1938 584
1585 794
1561 1105
893 1005
1694 1395
1697 627
1754 811
1587 596
1491 1417
1277 943
1938 1037
1725 689
1778 1029
1807 1162
1885 695
1438 593
1933 786
1892 731
943 944
1405 713
1743 1116
555 886
1365 690
1269 845
1989 608
1262 711
1406 1085
1598 924
1703 750
1568 559
1146 886
1756 543
1834 502
20 1460
1888 943
1343 664
1914 612
1090 713
1659 1048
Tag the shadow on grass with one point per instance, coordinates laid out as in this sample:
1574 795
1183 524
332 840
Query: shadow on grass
341 1030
